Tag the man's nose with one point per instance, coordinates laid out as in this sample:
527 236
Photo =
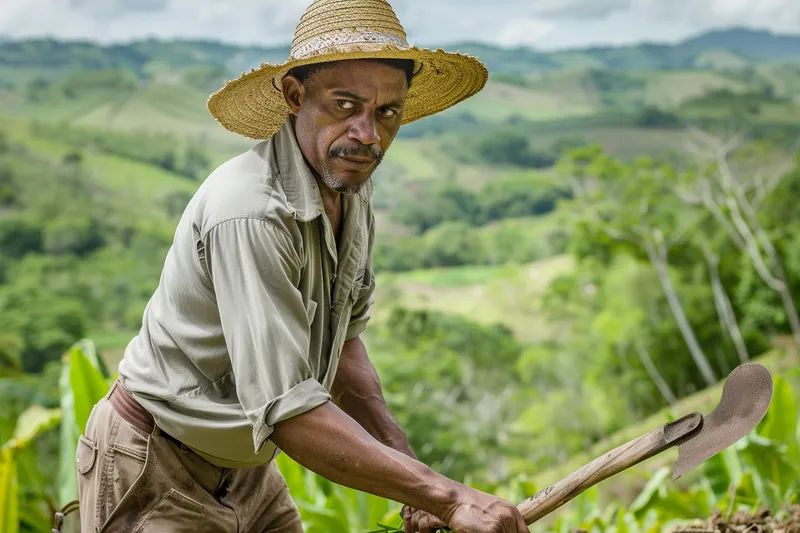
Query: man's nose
364 129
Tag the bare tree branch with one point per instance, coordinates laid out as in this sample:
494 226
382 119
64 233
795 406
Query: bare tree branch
658 258
659 381
723 304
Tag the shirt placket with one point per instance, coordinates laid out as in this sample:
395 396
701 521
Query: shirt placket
344 275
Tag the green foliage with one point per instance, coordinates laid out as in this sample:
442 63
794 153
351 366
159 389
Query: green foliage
761 470
43 327
77 254
445 201
512 196
506 241
520 195
512 148
653 117
449 373
83 382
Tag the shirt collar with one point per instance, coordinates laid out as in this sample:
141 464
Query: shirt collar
299 184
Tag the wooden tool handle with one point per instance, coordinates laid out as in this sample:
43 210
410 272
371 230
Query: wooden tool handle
621 458
551 498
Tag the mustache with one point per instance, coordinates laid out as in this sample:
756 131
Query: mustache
372 151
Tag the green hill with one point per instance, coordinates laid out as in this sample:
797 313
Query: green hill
147 57
736 45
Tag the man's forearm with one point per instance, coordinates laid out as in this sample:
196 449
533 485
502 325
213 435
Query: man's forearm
328 442
357 391
372 413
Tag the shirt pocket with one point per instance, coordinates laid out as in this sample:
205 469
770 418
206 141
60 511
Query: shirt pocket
311 310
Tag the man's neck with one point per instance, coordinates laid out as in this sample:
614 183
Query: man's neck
332 204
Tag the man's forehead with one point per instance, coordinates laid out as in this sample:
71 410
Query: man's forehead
360 71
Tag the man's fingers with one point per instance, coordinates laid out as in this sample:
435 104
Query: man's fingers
429 524
409 524
522 527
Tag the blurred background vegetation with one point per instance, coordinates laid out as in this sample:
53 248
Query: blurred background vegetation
574 256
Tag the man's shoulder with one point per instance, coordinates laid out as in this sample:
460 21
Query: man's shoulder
245 186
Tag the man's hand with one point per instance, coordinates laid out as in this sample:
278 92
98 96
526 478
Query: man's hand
412 518
478 512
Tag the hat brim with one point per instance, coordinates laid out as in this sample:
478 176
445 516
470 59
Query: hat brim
253 105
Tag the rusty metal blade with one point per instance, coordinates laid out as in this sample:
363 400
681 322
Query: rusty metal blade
746 396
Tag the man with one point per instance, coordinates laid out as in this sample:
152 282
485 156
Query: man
251 342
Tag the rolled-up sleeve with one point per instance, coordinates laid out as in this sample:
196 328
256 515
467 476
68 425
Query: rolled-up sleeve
255 270
362 307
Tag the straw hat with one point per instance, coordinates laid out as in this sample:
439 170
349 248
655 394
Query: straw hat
330 30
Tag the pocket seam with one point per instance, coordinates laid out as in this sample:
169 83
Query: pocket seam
311 311
130 452
83 442
177 498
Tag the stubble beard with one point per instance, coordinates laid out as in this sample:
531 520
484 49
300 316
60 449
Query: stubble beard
334 183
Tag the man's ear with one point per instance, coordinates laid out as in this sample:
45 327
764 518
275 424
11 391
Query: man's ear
294 92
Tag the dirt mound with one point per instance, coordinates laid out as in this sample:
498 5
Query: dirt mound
761 522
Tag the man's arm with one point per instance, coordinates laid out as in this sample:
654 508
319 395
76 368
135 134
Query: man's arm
328 442
255 269
357 391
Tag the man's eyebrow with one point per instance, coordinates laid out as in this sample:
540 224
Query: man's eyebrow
343 93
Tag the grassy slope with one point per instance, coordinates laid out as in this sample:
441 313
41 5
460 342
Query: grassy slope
510 295
560 104
176 109
125 175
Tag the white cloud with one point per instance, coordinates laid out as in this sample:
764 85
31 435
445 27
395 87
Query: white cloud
577 9
524 31
544 23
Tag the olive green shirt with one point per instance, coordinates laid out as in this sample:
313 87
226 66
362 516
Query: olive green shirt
253 306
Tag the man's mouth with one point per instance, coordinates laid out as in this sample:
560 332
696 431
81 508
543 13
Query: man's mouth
356 163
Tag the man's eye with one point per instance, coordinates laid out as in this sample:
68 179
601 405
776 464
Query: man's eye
344 104
388 113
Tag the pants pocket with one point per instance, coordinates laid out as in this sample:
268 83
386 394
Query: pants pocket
122 465
85 462
174 512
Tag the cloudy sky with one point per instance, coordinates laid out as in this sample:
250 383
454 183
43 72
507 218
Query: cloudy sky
545 24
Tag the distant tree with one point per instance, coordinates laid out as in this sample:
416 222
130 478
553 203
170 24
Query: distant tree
196 163
450 244
8 188
37 89
734 194
47 325
520 195
175 203
653 117
421 211
19 236
510 147
630 204
72 234
73 158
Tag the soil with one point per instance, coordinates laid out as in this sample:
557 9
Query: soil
761 522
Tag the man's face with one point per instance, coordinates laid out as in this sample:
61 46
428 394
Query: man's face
347 115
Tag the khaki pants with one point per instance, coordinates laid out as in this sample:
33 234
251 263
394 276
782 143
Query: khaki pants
133 481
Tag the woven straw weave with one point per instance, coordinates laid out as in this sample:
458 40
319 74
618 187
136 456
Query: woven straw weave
331 30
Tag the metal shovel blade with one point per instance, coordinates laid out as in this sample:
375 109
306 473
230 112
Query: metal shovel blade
746 396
